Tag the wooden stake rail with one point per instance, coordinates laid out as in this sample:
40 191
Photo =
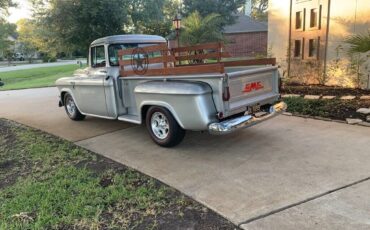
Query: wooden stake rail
209 46
171 62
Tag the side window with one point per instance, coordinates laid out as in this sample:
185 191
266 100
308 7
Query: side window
97 57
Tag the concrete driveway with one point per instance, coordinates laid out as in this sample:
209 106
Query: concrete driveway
287 173
38 108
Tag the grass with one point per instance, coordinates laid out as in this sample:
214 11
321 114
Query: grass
33 78
49 183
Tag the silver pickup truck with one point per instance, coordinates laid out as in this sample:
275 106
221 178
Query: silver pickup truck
216 102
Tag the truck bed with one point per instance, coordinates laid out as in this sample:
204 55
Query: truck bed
236 79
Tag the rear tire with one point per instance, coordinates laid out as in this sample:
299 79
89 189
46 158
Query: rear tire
163 128
71 108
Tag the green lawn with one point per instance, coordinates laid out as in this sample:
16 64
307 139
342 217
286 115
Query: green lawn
49 183
33 78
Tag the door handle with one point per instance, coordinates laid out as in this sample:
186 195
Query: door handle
102 71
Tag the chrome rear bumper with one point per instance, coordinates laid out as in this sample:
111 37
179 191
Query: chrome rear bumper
234 124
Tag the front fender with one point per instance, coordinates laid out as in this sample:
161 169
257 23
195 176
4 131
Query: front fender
63 91
190 103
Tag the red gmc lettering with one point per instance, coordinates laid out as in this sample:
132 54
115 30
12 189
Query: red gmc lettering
252 86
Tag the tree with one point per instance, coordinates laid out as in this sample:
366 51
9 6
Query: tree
152 16
226 9
359 43
4 5
74 24
6 30
198 29
27 36
259 10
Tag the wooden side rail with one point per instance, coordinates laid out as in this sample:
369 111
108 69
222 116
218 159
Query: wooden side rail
178 70
250 62
182 60
211 46
148 49
202 56
200 53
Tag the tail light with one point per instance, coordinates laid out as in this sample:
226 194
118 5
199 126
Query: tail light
226 94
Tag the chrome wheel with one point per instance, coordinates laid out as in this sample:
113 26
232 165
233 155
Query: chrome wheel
160 126
71 106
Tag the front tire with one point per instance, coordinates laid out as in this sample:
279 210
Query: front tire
163 128
71 108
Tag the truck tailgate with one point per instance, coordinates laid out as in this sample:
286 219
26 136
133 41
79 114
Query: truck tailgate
252 87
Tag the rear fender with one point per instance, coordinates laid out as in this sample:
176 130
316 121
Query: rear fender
190 103
148 103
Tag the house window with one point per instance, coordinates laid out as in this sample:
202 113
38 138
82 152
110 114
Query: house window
312 47
313 18
299 20
297 48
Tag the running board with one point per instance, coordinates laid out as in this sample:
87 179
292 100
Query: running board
130 118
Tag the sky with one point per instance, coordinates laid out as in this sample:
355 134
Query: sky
22 11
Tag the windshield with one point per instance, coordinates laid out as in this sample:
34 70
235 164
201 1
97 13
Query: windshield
114 48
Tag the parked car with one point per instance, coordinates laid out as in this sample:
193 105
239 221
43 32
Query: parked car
18 57
219 103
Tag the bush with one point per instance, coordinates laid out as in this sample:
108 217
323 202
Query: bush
47 58
307 107
335 109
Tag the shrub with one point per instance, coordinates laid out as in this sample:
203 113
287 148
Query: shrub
47 58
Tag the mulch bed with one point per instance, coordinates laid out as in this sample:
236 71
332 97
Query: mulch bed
322 90
334 109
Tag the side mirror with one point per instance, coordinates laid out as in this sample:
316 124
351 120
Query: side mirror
1 83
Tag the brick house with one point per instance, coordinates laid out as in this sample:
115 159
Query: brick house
246 37
307 38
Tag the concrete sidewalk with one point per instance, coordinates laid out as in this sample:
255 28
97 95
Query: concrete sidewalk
286 173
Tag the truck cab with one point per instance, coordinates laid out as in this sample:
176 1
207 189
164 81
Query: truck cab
99 80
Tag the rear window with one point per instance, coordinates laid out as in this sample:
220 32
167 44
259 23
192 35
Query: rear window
114 48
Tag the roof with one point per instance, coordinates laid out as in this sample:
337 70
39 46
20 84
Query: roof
129 38
245 24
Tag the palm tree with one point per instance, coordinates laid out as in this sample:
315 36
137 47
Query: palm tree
197 29
359 43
